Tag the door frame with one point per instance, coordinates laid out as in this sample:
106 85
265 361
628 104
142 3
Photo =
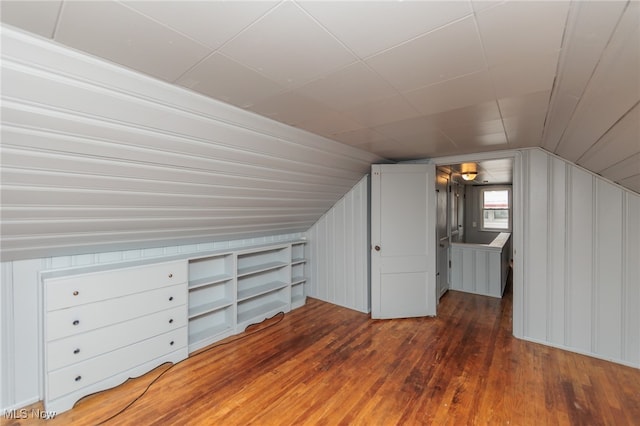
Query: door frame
517 230
440 256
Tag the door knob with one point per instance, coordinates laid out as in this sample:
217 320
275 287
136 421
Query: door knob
377 248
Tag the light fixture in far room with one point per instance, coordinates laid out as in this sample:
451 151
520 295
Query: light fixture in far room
469 175
468 171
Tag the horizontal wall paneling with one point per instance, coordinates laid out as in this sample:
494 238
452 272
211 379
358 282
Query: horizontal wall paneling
82 135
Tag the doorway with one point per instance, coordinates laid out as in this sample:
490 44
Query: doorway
471 218
510 159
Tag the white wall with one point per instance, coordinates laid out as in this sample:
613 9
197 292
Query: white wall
581 261
339 252
98 158
21 310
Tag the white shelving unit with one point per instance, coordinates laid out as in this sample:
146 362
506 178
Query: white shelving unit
263 284
211 299
298 275
231 290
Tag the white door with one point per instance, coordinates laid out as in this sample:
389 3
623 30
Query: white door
402 243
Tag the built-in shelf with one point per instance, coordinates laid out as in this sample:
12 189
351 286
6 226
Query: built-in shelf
259 290
200 282
195 311
260 311
250 270
298 280
211 298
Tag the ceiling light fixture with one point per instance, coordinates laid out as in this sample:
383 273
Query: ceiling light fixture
469 175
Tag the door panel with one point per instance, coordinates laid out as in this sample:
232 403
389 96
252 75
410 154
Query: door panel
402 254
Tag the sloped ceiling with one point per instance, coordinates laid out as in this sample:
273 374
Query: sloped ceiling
393 79
401 79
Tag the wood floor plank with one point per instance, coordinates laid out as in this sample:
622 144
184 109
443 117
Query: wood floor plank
326 365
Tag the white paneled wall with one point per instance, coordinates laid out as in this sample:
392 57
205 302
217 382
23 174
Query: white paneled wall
99 158
339 249
581 260
21 310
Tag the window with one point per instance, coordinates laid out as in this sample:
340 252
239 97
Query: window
496 209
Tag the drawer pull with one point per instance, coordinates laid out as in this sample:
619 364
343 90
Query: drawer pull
171 321
170 275
170 298
171 343
76 351
76 322
78 378
76 292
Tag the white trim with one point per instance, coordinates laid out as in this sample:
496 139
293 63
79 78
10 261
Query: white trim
581 352
509 190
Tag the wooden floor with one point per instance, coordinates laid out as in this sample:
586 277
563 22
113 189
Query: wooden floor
326 365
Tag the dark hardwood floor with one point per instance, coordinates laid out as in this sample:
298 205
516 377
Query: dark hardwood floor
327 365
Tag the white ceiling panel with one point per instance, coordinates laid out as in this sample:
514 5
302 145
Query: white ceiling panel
408 129
38 17
446 53
222 78
487 111
350 87
288 47
533 74
395 108
212 23
329 123
485 133
535 103
515 31
415 148
466 75
632 183
612 92
362 137
524 131
290 108
622 141
625 169
117 33
401 21
479 5
589 29
459 92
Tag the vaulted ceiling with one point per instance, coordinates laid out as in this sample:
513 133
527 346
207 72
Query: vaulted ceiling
403 80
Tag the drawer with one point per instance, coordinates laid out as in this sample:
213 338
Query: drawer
94 370
71 321
64 292
77 348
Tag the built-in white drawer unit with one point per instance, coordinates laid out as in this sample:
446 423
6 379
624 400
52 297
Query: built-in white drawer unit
80 289
99 368
102 327
105 324
73 349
